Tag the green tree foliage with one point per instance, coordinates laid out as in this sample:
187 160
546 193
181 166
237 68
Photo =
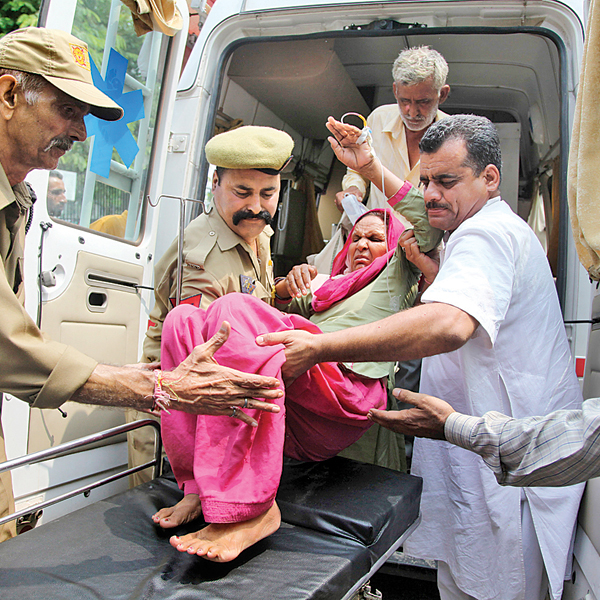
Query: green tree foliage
18 13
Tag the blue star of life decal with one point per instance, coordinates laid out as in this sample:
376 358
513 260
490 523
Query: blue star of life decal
114 134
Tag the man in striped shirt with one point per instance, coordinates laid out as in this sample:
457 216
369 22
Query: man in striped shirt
561 448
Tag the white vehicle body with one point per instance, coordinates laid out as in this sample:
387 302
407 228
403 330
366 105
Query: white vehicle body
289 64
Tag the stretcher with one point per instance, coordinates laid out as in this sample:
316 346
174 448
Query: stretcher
341 520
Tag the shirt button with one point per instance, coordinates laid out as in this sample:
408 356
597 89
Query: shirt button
211 233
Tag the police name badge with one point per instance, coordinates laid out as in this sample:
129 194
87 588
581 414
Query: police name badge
247 284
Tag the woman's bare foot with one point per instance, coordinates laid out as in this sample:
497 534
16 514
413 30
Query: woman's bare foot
184 511
222 542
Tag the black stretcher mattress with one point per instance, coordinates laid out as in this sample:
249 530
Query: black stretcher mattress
339 517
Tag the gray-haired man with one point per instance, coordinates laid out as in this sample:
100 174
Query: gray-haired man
419 88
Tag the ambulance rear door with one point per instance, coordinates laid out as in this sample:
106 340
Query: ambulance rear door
94 253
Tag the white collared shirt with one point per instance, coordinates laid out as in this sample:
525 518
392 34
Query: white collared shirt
518 362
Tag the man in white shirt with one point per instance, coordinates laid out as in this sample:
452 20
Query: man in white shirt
491 330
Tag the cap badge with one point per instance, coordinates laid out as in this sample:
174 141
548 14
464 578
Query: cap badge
81 56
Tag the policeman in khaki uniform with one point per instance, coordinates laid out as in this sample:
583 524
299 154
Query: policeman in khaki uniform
225 251
228 249
46 90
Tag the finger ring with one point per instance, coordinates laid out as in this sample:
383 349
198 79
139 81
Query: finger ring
245 403
233 411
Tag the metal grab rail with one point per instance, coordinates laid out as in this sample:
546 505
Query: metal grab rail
182 201
67 448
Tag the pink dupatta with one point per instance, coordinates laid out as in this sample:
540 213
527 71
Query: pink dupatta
334 290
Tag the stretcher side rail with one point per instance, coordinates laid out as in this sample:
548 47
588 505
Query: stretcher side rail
364 581
70 447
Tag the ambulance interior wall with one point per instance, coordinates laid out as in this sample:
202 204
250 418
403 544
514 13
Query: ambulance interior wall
296 84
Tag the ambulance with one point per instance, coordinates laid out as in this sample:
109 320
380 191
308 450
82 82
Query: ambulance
288 64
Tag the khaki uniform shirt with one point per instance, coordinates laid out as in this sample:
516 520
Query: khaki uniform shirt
39 371
216 261
33 368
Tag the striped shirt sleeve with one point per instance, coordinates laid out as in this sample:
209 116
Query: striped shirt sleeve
561 448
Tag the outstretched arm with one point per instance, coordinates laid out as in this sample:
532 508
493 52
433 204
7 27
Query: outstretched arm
561 448
361 157
421 331
198 385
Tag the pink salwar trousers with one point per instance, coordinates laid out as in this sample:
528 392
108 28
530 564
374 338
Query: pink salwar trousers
236 468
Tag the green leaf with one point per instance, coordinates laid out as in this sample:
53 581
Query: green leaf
18 13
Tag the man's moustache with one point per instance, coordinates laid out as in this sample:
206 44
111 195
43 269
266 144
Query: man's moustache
62 143
433 204
241 215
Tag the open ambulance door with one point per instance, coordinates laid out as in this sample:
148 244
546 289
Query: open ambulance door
94 257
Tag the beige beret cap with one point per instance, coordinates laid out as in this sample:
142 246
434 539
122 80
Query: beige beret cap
250 147
61 59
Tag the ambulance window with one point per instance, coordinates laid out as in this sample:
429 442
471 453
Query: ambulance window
105 178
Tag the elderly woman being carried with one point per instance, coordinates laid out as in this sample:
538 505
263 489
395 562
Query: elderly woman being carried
229 471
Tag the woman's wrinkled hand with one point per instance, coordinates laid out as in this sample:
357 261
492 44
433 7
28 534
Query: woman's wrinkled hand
359 157
428 265
298 280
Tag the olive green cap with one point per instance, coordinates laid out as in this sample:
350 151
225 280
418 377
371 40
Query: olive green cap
251 147
61 59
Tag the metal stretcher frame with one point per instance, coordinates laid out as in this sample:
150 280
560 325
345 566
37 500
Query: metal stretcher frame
381 561
337 530
68 448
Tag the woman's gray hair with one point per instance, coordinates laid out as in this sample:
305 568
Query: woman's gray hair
479 134
415 65
31 84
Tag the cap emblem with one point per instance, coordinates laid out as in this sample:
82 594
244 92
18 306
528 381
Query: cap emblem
80 56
